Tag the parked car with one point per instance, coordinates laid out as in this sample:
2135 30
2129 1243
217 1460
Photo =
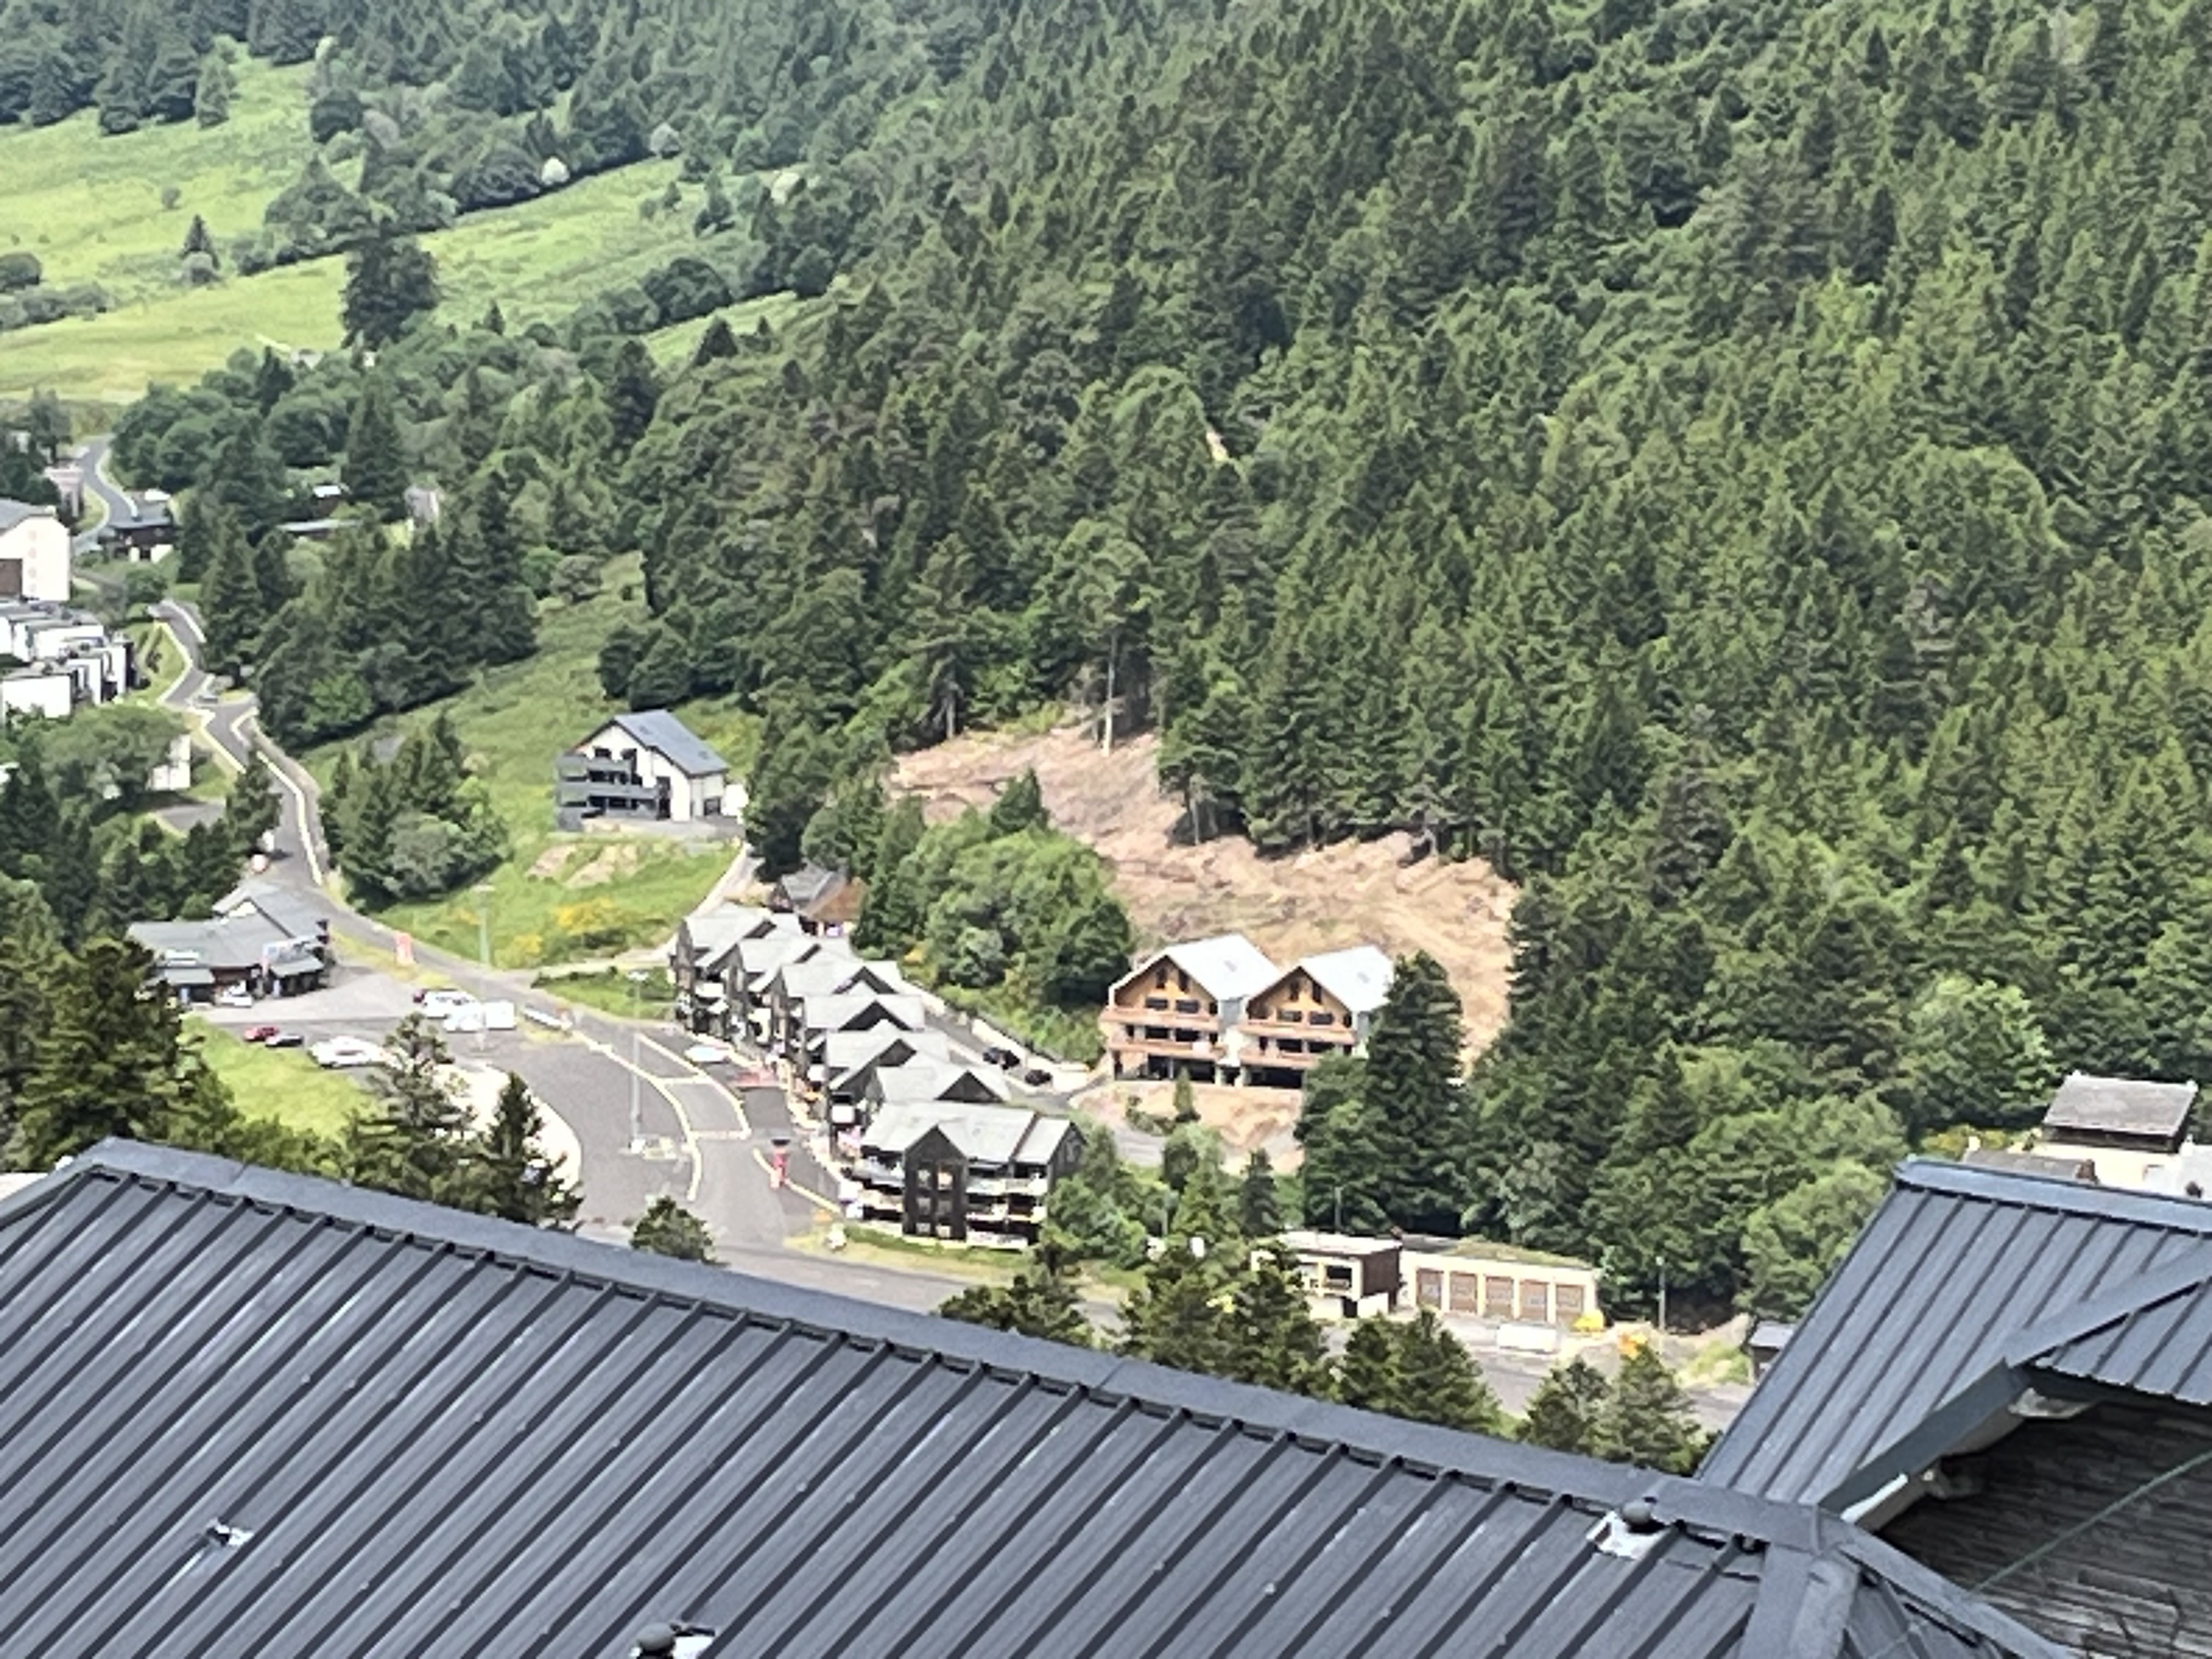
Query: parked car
233 996
706 1054
260 1033
1036 1076
285 1040
343 1053
1004 1059
444 1005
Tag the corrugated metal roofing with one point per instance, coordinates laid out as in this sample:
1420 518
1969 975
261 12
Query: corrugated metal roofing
242 1413
2119 1105
1956 1267
1227 966
2155 1340
658 729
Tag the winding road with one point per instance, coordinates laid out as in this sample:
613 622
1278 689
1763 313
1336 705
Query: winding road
648 1123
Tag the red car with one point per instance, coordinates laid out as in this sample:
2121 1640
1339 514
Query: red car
259 1033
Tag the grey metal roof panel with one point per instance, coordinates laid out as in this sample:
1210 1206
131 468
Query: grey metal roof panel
658 729
249 1412
13 511
2119 1105
1957 1262
2154 1338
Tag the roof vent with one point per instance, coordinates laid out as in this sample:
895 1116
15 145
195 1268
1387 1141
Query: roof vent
1629 1531
673 1642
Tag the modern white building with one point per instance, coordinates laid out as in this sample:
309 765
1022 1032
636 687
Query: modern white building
644 765
34 553
53 657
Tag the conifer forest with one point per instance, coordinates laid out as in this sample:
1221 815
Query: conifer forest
1742 469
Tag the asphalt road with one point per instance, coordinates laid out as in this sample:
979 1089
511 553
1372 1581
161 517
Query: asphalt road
93 458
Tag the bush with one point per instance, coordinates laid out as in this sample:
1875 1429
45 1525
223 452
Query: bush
18 272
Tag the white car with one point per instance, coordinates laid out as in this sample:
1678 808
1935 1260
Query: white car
343 1053
707 1054
233 996
444 1005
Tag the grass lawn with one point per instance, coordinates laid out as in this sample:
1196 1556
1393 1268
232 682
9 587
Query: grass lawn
90 208
563 898
672 347
613 992
282 1084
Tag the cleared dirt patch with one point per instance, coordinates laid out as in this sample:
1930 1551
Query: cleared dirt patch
1321 900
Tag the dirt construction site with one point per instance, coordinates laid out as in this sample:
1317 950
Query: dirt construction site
1322 899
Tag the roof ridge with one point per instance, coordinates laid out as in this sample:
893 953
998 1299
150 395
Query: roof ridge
2056 1191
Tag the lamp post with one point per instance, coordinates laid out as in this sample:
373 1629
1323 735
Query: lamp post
1663 1307
483 890
636 1074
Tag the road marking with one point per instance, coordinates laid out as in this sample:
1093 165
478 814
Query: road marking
257 738
831 1204
736 1104
682 1117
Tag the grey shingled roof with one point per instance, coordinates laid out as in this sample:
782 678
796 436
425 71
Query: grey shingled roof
1227 966
658 729
2119 1105
1967 1281
245 1413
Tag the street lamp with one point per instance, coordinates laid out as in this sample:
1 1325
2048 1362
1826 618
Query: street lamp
483 890
1663 1307
636 1074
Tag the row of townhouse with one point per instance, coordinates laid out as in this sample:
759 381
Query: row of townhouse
54 658
1218 1010
931 1144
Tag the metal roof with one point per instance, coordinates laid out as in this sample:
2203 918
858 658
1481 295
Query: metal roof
1359 978
835 1011
1919 1324
661 731
2119 1105
1227 966
930 1079
13 511
826 974
844 1052
2070 1166
245 939
246 1412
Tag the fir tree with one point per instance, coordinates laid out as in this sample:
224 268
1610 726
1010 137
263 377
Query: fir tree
1273 1339
108 1063
413 1138
197 241
1648 1420
1259 1206
716 343
1438 1381
375 467
389 282
1567 1412
514 1179
633 393
230 595
1367 1374
1039 1301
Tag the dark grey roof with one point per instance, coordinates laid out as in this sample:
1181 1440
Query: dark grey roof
1964 1277
809 884
658 729
2119 1105
13 511
245 1413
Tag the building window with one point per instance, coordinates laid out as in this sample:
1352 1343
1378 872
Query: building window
1319 1018
1337 1275
1258 1011
1186 1006
1183 979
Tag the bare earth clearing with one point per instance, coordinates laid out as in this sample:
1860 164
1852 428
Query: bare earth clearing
1314 901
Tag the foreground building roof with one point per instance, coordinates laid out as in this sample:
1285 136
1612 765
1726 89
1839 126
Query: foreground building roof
1969 1288
244 1412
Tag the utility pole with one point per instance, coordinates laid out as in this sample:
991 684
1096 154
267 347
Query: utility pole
483 952
636 1072
1663 1307
1337 1189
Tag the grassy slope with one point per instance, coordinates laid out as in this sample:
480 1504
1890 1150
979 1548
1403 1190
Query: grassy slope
282 1084
513 721
90 208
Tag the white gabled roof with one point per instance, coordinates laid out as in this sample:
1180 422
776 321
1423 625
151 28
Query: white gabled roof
1359 978
1227 966
984 1134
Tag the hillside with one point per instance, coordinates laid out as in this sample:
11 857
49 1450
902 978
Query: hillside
1317 899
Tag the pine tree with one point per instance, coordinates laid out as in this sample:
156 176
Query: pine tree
389 282
716 343
1259 1207
667 1227
414 1138
376 466
31 967
514 1179
1438 1381
1648 1421
250 809
633 393
1040 1301
1367 1374
108 1063
230 596
197 241
212 92
1273 1339
1567 1412
1412 1084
